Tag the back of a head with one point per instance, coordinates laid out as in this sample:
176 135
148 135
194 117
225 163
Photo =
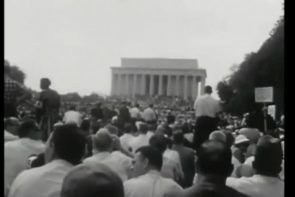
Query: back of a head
151 127
11 121
214 158
72 107
143 128
27 127
103 140
127 128
153 155
178 137
69 143
229 138
159 142
208 89
85 125
45 82
112 129
98 180
218 136
268 156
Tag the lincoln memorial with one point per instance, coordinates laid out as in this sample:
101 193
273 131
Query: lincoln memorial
158 76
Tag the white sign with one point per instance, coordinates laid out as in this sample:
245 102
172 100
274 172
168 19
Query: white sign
264 95
271 110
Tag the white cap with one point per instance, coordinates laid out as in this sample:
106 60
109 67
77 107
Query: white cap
241 139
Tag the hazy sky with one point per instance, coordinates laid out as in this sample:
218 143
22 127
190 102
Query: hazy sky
75 42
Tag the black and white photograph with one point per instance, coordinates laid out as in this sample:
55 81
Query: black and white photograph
144 98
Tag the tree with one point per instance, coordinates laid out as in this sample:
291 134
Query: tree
16 73
263 68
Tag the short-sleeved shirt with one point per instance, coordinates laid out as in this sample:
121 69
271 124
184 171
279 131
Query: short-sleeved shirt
151 184
206 105
44 181
258 186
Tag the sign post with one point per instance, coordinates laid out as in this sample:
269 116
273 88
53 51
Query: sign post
264 95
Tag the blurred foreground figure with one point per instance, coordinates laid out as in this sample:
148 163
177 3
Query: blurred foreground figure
64 149
213 167
18 151
98 180
11 126
267 164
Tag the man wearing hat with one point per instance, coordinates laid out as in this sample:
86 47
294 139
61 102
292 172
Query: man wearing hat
267 164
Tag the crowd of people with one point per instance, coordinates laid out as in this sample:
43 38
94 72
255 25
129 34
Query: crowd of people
137 148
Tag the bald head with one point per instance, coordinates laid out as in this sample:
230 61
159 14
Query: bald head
103 140
214 158
268 156
98 180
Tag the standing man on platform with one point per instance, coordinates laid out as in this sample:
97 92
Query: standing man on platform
206 111
50 104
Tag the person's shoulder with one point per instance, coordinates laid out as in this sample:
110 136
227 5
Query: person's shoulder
239 182
12 144
137 181
235 193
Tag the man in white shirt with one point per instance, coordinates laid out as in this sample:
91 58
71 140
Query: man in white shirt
127 137
72 117
171 168
149 115
141 140
267 164
206 111
135 112
149 182
64 149
98 180
103 147
11 126
18 151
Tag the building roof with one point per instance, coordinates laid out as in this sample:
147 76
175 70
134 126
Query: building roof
168 63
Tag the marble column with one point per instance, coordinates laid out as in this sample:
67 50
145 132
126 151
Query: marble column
113 84
169 85
126 84
202 85
134 85
143 84
185 86
177 81
119 85
160 92
195 87
151 85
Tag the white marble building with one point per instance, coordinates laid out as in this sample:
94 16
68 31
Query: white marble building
158 76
